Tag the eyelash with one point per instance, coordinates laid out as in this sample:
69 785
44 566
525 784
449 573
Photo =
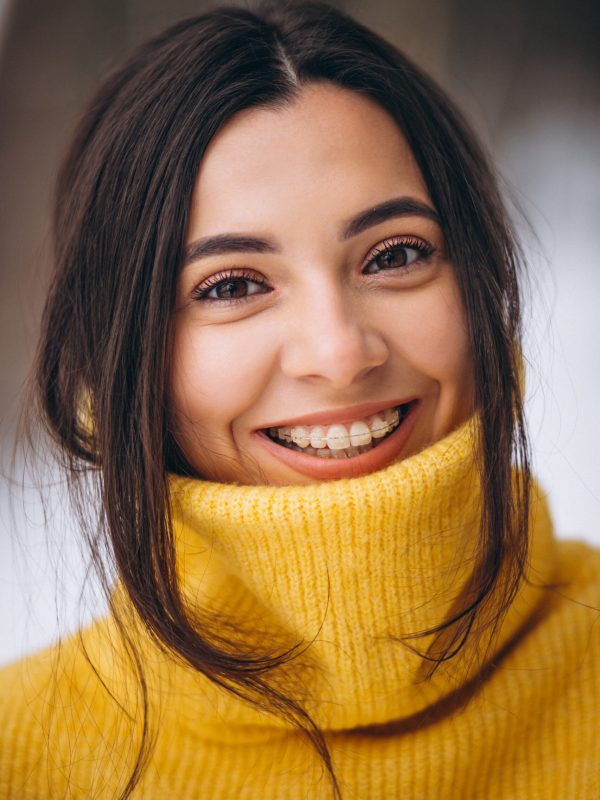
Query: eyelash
201 292
425 250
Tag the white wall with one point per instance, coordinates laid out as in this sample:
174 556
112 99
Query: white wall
555 162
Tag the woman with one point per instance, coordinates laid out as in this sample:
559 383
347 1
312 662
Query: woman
282 348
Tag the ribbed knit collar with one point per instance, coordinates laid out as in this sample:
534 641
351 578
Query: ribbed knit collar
347 568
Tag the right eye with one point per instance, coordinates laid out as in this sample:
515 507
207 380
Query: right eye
230 287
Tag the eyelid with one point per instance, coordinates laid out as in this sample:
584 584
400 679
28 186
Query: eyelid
409 241
201 290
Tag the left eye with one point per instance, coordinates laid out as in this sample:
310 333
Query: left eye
392 258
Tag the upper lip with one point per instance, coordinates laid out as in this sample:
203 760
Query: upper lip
339 415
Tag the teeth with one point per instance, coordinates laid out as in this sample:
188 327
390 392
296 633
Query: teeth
325 452
337 437
360 433
378 426
339 441
283 433
318 437
391 416
300 436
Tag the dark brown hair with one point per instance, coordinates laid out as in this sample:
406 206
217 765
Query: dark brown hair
120 222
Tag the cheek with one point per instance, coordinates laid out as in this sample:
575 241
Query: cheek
431 333
216 375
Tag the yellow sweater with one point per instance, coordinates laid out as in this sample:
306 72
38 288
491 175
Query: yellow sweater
347 567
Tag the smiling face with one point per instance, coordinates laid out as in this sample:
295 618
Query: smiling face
319 332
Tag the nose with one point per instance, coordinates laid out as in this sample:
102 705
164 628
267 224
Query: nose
332 340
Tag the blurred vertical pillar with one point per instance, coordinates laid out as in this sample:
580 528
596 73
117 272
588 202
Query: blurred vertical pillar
52 51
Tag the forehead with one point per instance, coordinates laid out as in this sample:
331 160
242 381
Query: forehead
326 150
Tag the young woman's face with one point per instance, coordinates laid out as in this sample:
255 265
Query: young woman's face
319 332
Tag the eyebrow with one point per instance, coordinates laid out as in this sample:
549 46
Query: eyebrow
224 243
398 207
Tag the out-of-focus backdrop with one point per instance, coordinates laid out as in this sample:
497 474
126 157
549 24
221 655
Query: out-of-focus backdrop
527 74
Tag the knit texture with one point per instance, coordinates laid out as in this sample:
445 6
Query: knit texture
347 570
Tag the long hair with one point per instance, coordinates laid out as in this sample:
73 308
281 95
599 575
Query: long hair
121 215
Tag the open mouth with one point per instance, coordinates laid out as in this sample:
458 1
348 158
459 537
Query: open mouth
341 441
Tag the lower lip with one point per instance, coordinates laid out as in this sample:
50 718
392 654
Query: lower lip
379 457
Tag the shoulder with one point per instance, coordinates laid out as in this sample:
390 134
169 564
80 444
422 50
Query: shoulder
57 720
554 676
28 691
578 571
554 662
570 610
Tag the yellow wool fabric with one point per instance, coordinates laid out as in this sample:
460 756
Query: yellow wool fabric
345 569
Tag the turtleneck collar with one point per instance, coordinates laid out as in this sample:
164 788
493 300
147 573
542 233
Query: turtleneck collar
347 568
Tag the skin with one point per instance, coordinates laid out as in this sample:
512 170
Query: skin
322 334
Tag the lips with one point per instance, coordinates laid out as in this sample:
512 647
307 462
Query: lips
346 462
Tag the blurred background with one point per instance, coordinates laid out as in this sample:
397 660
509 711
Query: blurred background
527 75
